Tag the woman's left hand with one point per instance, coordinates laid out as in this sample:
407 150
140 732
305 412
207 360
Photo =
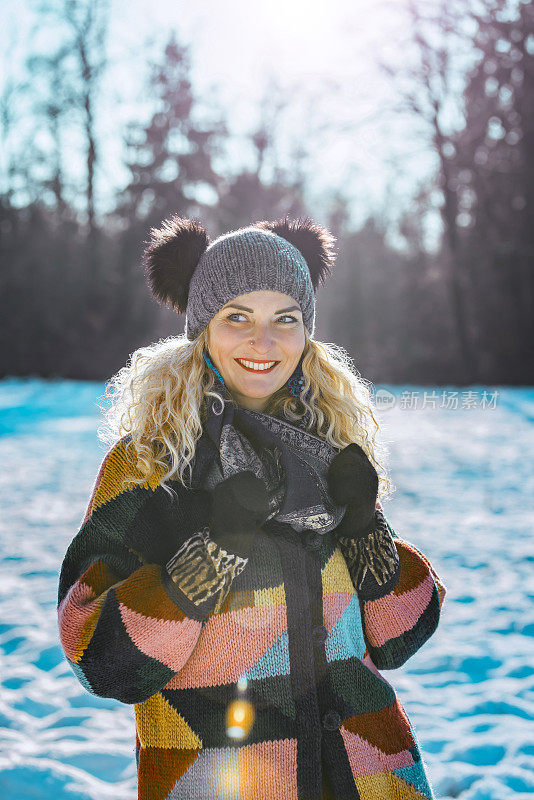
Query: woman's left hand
353 481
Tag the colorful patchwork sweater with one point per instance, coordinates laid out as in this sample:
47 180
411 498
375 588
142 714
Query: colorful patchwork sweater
251 679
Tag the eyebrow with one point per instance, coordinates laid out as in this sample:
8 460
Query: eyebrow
244 308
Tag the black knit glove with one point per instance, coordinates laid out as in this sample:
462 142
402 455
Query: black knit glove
353 481
240 507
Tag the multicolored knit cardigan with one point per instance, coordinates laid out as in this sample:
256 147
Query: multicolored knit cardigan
153 613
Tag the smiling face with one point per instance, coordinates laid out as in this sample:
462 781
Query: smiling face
273 321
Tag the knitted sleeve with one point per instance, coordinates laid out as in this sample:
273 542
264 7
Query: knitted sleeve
400 593
124 625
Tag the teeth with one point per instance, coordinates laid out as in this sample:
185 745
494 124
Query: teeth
258 367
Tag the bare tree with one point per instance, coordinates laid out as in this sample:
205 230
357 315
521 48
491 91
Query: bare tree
87 20
13 89
53 106
72 75
430 89
494 165
7 165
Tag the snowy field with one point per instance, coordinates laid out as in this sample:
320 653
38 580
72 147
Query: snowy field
464 497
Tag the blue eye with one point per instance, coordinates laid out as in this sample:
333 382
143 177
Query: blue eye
283 316
287 316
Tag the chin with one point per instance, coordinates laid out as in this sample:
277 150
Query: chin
257 393
248 389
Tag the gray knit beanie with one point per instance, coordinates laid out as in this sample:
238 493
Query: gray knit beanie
200 277
242 261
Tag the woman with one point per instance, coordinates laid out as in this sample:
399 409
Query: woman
235 578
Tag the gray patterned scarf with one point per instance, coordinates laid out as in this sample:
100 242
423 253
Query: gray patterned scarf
291 461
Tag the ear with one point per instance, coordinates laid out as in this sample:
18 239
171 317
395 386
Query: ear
170 257
314 242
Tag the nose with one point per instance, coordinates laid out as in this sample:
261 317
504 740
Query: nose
263 340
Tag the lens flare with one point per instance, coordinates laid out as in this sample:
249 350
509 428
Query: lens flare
239 719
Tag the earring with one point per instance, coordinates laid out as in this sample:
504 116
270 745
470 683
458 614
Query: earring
212 366
295 382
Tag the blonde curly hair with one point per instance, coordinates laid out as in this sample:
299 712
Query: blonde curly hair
158 400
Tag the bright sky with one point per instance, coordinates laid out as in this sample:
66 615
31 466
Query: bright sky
325 53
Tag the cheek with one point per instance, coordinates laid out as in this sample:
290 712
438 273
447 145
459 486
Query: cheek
223 345
295 346
229 343
222 339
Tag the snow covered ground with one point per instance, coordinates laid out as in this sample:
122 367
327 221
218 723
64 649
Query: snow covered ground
464 497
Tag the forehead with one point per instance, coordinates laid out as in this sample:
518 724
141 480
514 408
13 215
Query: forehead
264 298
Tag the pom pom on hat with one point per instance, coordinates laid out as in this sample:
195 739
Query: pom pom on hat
314 242
170 258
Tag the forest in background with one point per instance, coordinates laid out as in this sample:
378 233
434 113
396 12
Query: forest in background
74 301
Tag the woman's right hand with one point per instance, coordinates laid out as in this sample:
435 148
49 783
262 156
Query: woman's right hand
240 506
